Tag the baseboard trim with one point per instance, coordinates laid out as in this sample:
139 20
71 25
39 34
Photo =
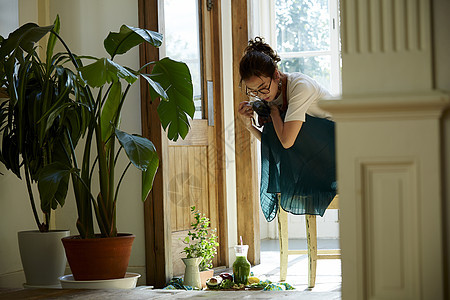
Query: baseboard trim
12 279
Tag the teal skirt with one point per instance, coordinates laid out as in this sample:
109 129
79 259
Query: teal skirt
304 175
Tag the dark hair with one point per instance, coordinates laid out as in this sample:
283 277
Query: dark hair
259 60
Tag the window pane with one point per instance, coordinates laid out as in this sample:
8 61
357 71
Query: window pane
181 35
317 67
302 25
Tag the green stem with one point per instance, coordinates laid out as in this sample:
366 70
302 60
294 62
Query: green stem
83 194
75 63
147 64
98 109
111 167
117 154
92 169
120 181
72 57
33 204
117 116
106 95
72 149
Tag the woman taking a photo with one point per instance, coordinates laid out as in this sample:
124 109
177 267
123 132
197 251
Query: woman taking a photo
297 138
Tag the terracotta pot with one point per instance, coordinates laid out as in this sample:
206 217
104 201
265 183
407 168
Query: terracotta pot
205 275
98 258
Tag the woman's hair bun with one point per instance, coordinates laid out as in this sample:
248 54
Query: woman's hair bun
258 44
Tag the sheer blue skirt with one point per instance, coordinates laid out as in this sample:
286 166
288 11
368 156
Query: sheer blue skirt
304 174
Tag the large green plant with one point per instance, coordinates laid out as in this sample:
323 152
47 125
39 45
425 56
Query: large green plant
31 138
100 91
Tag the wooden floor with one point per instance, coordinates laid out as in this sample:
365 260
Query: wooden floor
146 293
328 277
328 282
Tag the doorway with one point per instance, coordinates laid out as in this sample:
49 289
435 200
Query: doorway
194 166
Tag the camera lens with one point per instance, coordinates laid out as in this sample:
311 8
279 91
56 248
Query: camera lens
261 108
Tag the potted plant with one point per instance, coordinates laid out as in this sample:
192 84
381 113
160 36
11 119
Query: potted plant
201 248
102 87
33 139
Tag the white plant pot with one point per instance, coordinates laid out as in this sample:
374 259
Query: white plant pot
191 272
128 282
43 257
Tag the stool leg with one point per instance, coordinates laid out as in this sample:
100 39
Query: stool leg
283 238
311 237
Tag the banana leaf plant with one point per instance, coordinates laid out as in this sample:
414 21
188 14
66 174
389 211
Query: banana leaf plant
102 89
31 138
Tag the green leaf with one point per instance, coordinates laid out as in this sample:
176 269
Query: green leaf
143 155
155 86
140 151
110 110
23 37
148 177
175 78
53 181
52 41
105 71
11 153
129 37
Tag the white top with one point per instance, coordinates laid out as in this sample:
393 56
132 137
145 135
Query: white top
303 94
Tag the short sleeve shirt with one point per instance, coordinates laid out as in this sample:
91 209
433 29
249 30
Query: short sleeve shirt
303 95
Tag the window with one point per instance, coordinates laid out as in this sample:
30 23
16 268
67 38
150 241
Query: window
180 25
304 33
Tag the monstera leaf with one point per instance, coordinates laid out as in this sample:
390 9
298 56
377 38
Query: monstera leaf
129 37
142 154
105 71
175 78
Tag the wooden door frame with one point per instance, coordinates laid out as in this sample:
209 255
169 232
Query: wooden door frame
212 20
247 189
158 261
157 221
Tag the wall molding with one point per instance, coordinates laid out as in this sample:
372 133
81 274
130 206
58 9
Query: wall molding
422 105
390 234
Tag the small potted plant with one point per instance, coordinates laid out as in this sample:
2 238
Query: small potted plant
201 248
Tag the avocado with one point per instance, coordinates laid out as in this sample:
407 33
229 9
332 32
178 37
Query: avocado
214 282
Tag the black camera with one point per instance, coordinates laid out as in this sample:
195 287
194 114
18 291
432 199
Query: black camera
261 107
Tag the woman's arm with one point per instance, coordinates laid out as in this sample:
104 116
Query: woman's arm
286 132
246 114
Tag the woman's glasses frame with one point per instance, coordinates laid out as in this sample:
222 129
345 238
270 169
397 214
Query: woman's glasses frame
263 91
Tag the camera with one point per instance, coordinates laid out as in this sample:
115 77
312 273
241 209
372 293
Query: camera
261 107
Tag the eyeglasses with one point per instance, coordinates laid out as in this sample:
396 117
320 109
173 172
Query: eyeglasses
254 93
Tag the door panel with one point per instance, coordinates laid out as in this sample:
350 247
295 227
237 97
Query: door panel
193 178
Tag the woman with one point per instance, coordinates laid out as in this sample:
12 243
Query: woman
297 140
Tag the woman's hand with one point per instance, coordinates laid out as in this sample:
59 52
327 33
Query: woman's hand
246 113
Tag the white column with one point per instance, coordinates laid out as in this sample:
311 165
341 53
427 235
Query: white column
386 46
389 152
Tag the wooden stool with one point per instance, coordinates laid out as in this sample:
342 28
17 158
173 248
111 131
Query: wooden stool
311 238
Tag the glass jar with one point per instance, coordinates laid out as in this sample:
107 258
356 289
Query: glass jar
241 266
